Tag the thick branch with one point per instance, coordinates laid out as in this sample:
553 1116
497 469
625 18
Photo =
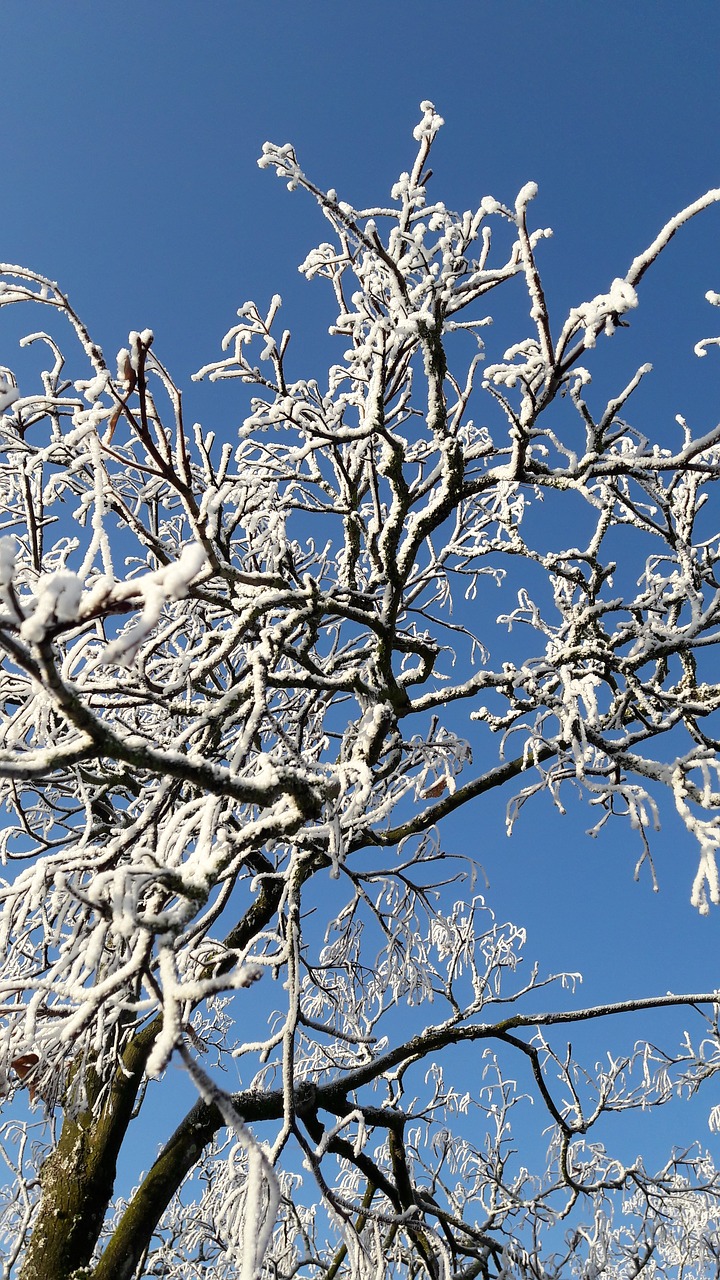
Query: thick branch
182 1152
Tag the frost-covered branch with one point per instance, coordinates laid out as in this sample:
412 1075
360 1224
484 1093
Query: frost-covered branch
243 681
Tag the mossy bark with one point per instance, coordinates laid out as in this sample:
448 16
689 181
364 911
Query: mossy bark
135 1229
76 1189
77 1179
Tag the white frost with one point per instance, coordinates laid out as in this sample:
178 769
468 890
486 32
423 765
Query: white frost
8 553
56 599
603 311
171 582
8 394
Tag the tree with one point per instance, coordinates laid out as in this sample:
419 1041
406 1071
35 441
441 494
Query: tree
238 678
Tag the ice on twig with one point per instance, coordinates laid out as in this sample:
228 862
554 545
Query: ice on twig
603 311
56 599
171 582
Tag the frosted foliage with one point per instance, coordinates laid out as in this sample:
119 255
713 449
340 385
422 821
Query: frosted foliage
244 678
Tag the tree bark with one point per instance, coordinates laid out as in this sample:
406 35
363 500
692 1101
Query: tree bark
78 1178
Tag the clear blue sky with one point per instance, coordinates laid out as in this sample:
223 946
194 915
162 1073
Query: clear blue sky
129 134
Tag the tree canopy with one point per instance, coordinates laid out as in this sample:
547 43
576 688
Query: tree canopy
244 679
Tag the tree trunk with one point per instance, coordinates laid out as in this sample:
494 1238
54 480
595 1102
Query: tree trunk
77 1183
78 1178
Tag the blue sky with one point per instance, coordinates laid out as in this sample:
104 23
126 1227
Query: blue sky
129 135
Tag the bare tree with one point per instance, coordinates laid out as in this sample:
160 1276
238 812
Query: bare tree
241 681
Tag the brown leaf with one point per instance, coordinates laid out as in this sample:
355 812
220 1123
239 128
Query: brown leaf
24 1064
436 790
